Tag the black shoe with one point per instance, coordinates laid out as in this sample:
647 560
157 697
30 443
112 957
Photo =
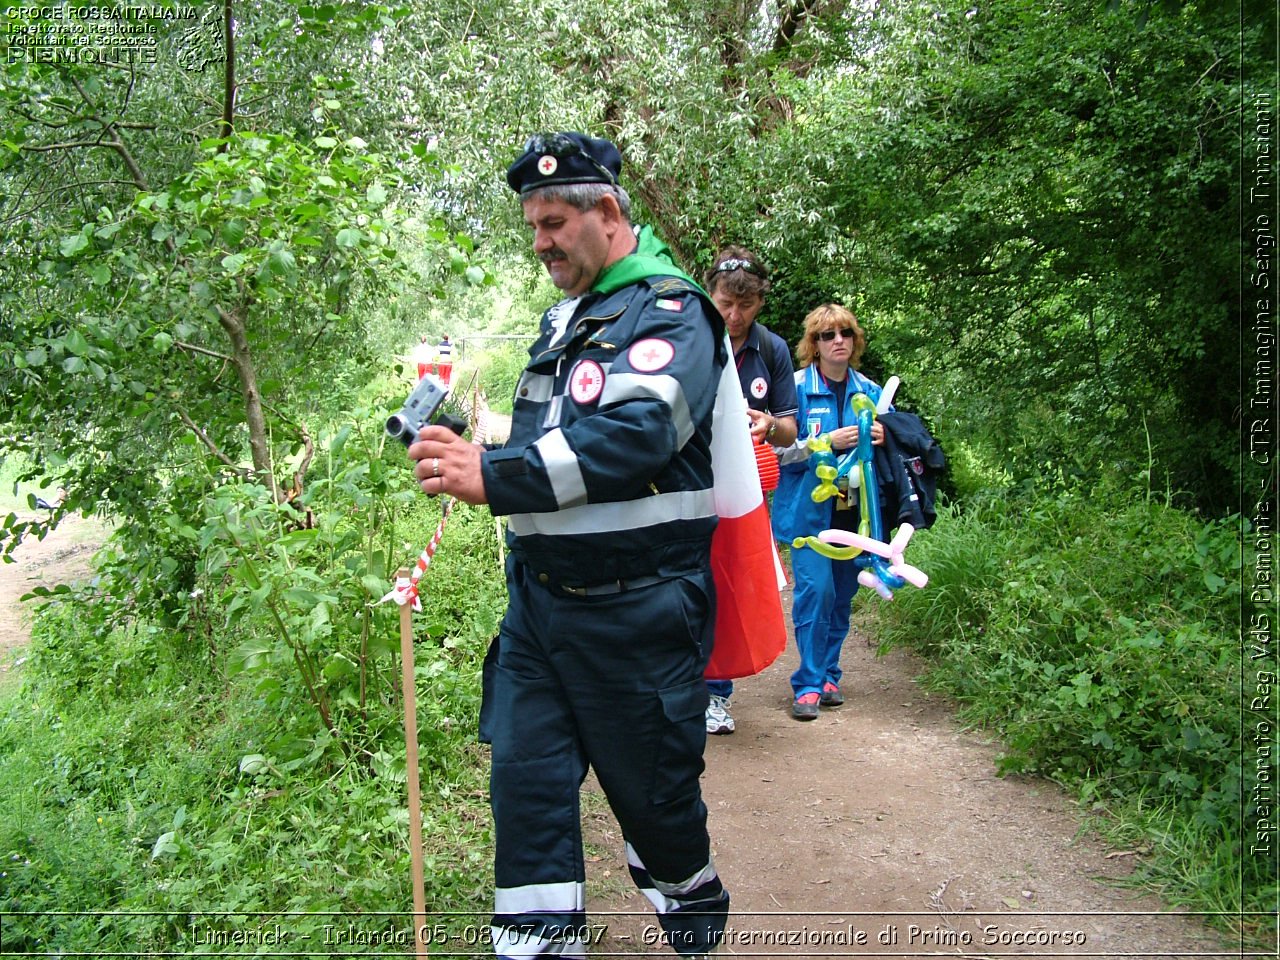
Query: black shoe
805 707
831 695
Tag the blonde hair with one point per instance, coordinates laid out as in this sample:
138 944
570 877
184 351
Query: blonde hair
830 316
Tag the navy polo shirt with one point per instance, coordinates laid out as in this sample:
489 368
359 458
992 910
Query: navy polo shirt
768 387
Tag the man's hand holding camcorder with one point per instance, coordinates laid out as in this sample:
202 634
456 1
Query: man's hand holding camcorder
448 464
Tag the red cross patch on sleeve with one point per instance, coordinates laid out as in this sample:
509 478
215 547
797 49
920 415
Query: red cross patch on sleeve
649 356
586 382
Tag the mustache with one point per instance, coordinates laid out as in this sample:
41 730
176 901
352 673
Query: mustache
550 255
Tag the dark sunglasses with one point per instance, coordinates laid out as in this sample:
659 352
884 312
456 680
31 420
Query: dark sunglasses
828 335
560 146
737 263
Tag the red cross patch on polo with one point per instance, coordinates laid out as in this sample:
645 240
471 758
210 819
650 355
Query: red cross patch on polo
586 382
759 388
649 356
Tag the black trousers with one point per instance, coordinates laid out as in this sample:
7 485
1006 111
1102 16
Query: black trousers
613 681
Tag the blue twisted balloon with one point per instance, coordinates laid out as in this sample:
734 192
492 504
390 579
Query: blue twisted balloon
869 524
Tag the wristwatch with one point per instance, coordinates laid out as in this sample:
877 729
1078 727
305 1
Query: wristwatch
773 428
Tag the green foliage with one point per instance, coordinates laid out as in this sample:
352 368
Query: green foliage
972 474
251 758
199 303
503 367
182 825
1012 197
195 333
1098 635
1189 863
254 248
12 496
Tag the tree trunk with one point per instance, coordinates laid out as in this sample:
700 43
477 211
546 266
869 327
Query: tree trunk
242 359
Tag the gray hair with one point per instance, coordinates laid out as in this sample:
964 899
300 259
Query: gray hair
583 196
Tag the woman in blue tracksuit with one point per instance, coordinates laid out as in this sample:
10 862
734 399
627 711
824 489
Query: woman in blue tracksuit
826 384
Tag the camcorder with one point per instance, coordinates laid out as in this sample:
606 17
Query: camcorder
420 409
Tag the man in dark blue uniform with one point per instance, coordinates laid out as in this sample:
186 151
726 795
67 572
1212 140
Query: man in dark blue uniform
606 481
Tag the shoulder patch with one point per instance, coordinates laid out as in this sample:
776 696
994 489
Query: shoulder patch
651 355
673 305
586 382
665 286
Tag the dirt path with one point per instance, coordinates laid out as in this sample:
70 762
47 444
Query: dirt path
885 819
61 557
881 820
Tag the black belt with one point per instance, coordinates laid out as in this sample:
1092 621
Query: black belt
611 587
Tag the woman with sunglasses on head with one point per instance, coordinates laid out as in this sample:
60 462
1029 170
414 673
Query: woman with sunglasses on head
826 384
738 282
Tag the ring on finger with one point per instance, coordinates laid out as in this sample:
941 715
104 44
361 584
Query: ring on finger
435 466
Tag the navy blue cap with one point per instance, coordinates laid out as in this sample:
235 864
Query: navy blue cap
563 158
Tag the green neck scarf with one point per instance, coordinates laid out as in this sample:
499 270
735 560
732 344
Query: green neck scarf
652 259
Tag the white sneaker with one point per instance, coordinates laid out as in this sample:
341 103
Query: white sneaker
718 719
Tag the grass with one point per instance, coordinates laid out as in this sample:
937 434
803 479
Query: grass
1190 866
151 773
149 780
141 802
1098 637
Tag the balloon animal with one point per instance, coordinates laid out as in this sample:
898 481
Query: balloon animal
881 564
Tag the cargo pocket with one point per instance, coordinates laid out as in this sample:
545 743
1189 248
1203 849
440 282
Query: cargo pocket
678 763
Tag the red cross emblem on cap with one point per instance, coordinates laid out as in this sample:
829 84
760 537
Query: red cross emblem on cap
547 166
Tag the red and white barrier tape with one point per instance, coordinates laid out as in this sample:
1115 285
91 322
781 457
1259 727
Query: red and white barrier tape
406 588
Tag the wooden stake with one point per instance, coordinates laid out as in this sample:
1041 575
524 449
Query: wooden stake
409 695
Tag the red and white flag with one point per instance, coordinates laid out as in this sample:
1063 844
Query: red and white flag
750 633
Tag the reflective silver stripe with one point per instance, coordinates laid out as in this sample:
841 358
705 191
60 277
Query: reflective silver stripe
560 897
536 387
629 386
660 903
562 468
514 945
625 515
705 875
662 895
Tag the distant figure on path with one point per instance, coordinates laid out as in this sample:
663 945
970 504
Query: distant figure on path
424 357
444 358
